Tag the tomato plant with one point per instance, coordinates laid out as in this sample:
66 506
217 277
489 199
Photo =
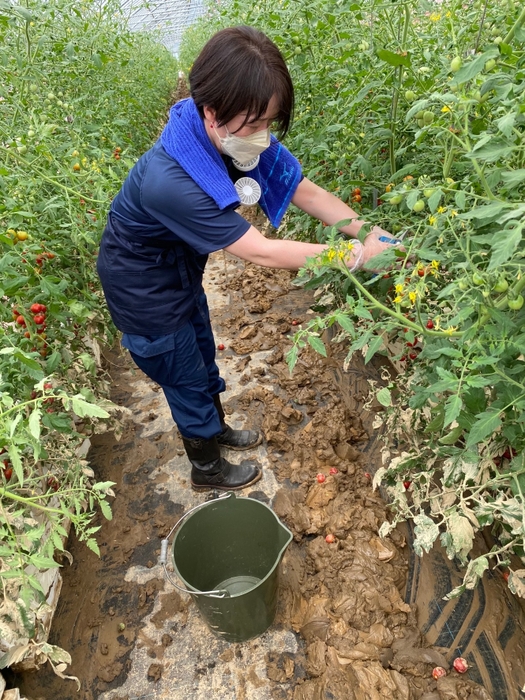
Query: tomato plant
76 88
430 117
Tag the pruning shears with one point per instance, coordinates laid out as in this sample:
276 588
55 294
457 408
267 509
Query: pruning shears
394 241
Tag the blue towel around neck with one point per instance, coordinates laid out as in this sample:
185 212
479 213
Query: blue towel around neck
184 138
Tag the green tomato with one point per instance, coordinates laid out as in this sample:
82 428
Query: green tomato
410 95
490 64
420 123
498 40
396 199
517 303
419 205
462 285
455 64
428 192
420 114
477 279
297 50
501 285
428 117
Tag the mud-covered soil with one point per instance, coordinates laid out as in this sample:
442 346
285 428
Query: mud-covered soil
344 600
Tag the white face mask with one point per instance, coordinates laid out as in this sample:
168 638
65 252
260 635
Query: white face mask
245 148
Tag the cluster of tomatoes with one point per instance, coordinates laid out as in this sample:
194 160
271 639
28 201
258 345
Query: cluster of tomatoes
7 469
117 152
356 195
39 320
41 259
413 348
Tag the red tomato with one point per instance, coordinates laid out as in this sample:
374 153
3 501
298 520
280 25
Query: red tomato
321 478
438 672
220 346
330 538
430 324
406 484
333 470
39 319
21 321
460 664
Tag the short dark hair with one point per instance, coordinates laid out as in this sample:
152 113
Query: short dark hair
239 70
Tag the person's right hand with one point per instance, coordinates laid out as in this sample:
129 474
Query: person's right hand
373 246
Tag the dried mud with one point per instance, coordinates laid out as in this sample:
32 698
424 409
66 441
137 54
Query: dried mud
345 600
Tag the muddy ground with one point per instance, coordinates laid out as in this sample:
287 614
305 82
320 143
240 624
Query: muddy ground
341 603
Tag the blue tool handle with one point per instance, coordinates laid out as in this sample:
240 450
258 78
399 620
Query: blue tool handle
387 239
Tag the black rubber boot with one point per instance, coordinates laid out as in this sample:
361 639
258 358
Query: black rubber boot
235 439
211 471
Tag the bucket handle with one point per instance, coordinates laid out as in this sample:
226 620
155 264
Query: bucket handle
164 544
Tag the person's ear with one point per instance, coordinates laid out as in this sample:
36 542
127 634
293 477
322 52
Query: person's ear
209 114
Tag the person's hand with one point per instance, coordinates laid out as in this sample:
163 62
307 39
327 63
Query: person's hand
374 245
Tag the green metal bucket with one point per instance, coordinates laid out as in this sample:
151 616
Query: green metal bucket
227 552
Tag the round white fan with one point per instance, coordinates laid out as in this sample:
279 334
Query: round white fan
248 190
250 165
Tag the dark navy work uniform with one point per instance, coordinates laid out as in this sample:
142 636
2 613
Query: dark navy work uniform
160 230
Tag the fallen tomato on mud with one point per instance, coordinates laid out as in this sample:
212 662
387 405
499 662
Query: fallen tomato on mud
220 346
438 672
321 478
333 470
460 665
406 484
330 539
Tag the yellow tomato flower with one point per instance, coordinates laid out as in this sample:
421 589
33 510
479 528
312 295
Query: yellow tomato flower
432 220
331 255
441 210
398 299
445 109
435 17
453 213
450 330
399 289
412 296
435 264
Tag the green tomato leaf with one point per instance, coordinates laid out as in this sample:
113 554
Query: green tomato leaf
486 423
434 200
34 423
83 408
384 396
376 343
504 243
14 456
453 406
394 59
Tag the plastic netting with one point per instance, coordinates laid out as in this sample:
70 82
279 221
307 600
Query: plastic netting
169 18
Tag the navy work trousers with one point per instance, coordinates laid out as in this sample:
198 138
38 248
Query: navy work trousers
189 375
